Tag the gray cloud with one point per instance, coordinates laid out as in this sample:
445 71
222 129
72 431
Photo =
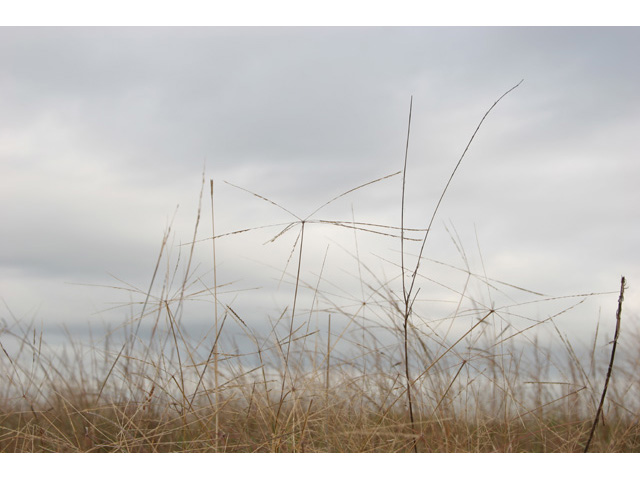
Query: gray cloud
103 131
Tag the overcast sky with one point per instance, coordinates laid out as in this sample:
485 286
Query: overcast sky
104 131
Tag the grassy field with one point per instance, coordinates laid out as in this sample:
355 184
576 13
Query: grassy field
386 372
168 396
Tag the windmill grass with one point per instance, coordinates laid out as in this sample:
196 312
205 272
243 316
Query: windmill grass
354 359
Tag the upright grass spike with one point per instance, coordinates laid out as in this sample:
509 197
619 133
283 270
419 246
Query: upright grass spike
405 295
215 343
407 292
623 285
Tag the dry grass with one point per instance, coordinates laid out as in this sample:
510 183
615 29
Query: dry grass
482 403
379 369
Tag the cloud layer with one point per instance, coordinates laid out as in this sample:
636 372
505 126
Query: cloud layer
104 131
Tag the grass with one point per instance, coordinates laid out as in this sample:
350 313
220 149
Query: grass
364 360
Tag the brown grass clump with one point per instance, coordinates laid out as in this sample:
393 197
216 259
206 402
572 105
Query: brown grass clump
382 368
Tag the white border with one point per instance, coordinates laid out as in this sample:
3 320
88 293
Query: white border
294 466
317 13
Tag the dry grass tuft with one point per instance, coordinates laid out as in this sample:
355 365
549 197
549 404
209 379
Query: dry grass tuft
354 361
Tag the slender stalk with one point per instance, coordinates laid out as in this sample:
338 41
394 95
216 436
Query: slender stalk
215 302
190 258
407 292
174 335
328 361
444 191
404 178
613 354
405 296
287 373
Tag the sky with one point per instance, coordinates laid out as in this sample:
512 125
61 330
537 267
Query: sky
105 134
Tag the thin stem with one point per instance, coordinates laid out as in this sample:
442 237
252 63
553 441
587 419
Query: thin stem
215 302
404 177
286 371
328 360
623 284
435 211
407 306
